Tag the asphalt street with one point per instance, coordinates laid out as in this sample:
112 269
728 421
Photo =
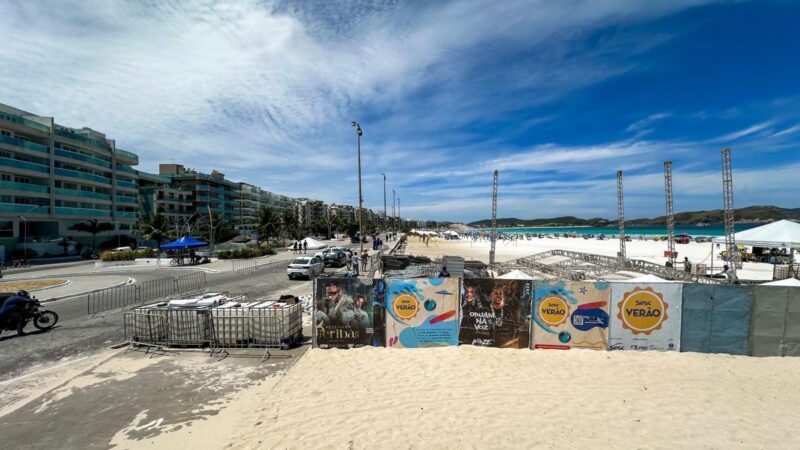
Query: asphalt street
77 333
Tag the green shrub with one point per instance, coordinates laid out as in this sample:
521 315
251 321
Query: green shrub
128 256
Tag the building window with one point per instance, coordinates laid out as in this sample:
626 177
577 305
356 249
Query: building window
5 177
6 229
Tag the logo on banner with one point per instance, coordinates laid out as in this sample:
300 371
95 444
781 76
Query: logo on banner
405 306
642 311
553 310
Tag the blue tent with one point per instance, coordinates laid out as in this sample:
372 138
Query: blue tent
183 243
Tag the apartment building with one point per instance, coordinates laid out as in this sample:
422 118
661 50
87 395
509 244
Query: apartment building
309 211
209 193
157 195
251 199
53 176
346 213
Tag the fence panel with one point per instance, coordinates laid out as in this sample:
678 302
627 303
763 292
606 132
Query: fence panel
190 282
716 319
111 298
769 320
152 289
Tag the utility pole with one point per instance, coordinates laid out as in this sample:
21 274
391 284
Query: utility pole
394 215
727 190
385 224
360 198
399 216
494 220
670 217
621 216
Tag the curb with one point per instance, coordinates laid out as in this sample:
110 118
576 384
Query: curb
79 294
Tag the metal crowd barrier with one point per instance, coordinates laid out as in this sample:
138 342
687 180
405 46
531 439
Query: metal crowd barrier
120 296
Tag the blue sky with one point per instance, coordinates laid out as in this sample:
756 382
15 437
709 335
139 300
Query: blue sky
557 95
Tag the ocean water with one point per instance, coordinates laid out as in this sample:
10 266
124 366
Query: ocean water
643 230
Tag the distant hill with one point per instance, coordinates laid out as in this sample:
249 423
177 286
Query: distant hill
752 214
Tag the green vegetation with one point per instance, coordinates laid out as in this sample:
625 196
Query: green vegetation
245 253
94 228
128 256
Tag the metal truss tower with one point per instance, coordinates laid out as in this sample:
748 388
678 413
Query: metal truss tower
494 220
621 211
670 216
727 190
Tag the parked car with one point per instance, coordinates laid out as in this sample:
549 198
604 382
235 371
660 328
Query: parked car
682 239
306 267
333 258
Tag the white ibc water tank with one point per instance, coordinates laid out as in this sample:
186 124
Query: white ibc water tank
231 324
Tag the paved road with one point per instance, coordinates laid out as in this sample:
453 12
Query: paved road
77 334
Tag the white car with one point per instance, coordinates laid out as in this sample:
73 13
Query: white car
306 267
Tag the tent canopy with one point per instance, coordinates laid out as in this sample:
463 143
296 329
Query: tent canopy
516 275
183 243
646 279
313 244
783 233
786 282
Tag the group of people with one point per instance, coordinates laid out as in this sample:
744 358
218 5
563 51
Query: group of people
496 324
300 246
354 261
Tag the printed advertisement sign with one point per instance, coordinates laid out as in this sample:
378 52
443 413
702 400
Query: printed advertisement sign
422 312
645 316
349 312
496 313
571 314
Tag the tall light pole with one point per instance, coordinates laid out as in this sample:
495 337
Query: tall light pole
360 211
385 224
394 215
399 217
24 239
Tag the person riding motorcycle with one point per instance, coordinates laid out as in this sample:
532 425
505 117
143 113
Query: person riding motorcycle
14 309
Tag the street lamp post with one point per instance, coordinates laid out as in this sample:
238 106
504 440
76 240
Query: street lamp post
360 211
394 215
385 224
399 217
24 239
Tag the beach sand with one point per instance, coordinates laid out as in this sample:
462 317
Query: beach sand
652 251
470 397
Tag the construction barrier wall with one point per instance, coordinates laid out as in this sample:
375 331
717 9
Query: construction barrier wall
716 318
495 313
571 314
422 312
775 328
348 312
645 316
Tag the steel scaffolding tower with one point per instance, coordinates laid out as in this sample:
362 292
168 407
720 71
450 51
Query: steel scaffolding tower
727 190
621 211
670 216
494 220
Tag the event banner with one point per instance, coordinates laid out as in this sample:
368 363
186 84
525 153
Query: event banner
496 312
571 314
422 312
349 312
645 316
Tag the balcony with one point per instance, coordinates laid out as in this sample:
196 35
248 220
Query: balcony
62 211
23 143
23 121
23 209
124 168
82 194
82 176
123 199
26 187
131 158
127 184
83 139
125 215
8 162
84 158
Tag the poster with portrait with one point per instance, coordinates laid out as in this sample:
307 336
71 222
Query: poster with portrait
348 312
422 312
571 314
645 316
496 312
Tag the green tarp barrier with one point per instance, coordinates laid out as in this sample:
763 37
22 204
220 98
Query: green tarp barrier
716 319
776 321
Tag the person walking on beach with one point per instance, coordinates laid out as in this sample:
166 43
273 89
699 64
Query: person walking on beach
348 259
687 265
294 247
305 246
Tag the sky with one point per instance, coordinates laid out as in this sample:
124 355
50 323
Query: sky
556 95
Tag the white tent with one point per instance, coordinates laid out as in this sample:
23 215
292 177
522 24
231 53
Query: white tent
313 244
783 234
516 275
786 282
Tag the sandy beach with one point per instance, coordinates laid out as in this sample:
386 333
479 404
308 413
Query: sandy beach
470 397
653 251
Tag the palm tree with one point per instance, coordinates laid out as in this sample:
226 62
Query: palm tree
289 222
266 221
93 227
154 228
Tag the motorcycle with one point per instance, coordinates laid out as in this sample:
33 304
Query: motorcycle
42 319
